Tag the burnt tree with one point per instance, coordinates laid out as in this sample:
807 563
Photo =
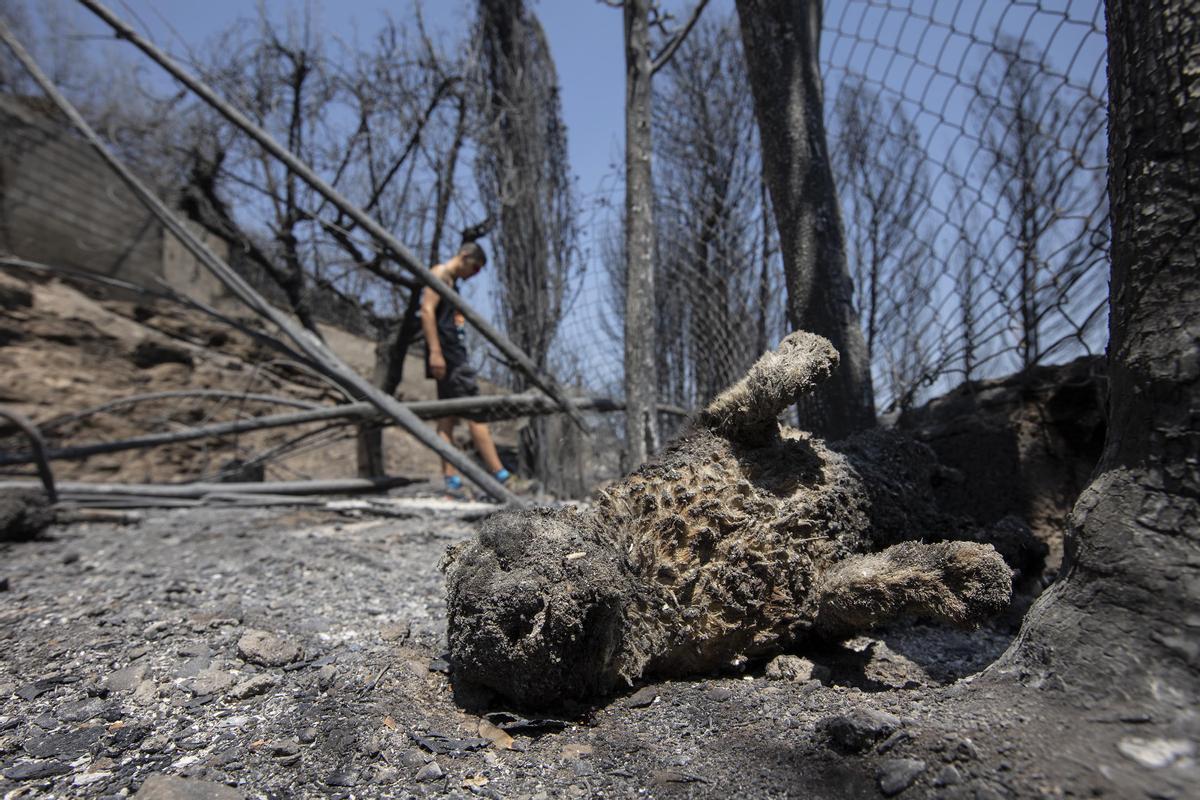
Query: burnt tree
1122 617
780 40
525 183
1036 142
641 426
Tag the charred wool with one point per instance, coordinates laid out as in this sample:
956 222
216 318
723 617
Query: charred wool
742 539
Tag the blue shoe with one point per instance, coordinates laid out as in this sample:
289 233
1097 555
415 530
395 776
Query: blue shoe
454 487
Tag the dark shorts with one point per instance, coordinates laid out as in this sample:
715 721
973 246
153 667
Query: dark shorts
459 382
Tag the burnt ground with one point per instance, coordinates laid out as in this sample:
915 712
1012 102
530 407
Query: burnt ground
120 659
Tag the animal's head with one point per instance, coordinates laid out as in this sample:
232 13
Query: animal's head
536 607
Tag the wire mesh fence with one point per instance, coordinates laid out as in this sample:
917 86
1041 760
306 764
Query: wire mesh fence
970 140
968 145
967 142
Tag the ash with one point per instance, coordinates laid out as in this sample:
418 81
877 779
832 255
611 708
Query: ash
295 653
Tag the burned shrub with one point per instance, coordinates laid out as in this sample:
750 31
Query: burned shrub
150 353
24 513
740 540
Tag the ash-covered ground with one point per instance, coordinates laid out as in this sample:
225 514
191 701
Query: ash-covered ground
282 653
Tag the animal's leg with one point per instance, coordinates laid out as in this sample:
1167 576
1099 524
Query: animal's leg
746 411
957 582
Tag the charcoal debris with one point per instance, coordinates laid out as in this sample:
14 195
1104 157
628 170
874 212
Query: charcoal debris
24 514
36 770
858 730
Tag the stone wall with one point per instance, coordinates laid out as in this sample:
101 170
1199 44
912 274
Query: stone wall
60 204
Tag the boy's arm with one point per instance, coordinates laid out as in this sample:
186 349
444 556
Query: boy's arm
429 303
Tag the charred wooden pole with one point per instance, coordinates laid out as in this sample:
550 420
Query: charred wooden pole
174 394
402 254
200 490
390 354
326 359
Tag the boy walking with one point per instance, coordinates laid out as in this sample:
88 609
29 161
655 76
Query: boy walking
446 361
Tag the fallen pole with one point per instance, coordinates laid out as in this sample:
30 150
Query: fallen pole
403 255
85 501
192 491
326 360
486 407
347 411
489 408
68 515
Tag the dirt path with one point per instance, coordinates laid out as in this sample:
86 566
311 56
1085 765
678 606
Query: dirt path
124 654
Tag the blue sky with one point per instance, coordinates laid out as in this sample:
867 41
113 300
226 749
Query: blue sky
584 35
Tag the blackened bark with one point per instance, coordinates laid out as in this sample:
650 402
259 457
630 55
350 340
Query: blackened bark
524 180
1122 618
780 40
641 383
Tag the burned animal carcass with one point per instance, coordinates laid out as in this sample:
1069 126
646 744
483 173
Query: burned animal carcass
742 539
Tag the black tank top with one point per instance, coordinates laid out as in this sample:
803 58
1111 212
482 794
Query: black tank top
452 334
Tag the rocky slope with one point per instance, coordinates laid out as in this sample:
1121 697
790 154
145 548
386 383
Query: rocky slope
64 349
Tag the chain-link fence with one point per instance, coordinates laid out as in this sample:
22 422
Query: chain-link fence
967 141
970 142
968 145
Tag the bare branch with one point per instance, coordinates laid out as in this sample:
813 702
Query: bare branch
38 449
137 399
664 55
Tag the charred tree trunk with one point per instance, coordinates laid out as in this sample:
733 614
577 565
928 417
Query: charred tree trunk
761 345
641 382
781 41
390 352
1122 618
524 180
393 349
